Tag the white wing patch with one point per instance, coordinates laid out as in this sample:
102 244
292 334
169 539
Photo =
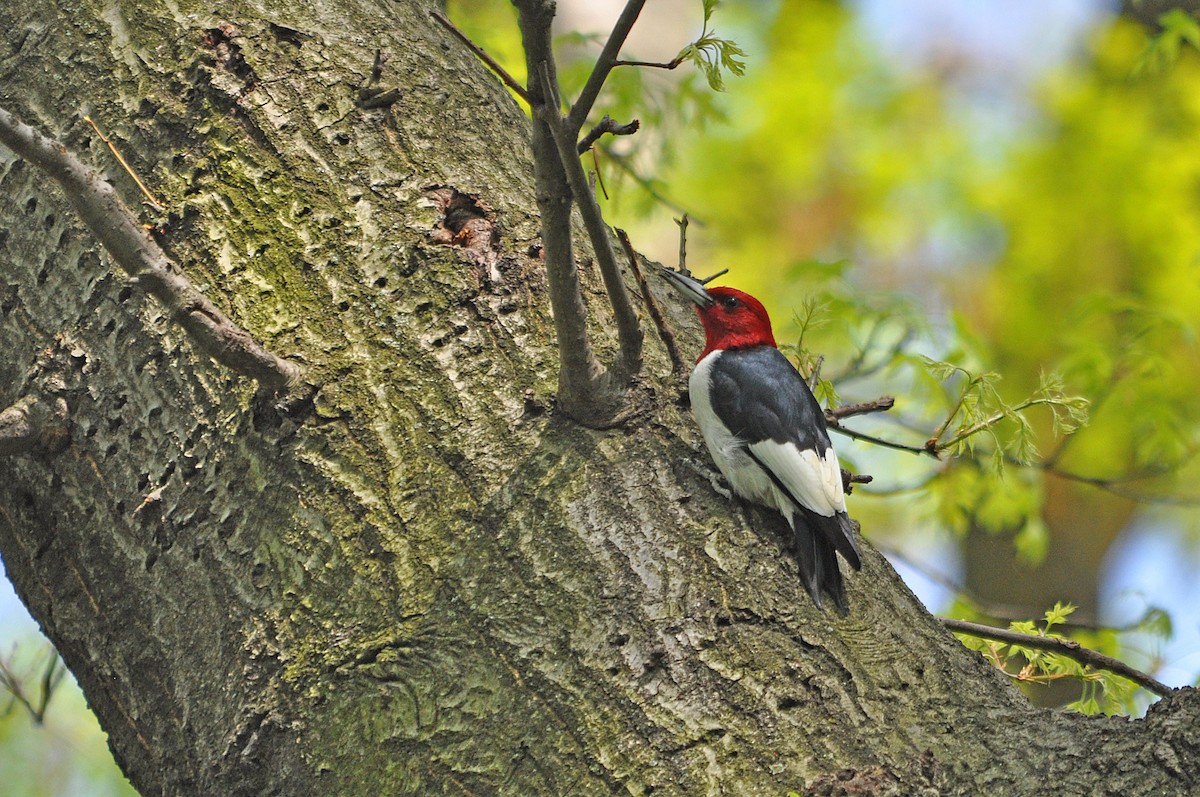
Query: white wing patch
816 482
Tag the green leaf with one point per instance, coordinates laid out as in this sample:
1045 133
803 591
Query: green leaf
1059 614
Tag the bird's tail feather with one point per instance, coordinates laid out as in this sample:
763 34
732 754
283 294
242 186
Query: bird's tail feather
816 556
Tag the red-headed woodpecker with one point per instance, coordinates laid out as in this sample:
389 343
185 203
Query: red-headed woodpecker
767 433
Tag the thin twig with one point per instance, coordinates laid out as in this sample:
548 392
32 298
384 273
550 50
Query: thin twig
1066 647
604 64
629 328
672 64
683 225
607 125
664 331
113 147
491 63
881 404
815 377
52 675
97 203
599 176
835 425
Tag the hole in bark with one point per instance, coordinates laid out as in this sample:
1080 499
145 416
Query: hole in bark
341 139
44 274
289 35
31 205
143 481
49 220
467 224
788 703
381 282
343 306
120 508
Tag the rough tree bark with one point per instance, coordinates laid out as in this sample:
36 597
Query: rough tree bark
426 581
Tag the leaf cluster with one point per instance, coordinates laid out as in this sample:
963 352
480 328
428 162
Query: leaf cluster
711 54
1176 28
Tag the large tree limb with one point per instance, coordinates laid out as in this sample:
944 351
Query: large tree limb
97 203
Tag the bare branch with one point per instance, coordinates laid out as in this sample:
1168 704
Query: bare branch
881 404
683 225
604 64
835 425
1066 647
672 64
629 328
850 479
97 203
491 63
51 677
607 125
664 331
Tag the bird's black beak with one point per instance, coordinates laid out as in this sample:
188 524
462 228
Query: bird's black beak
688 287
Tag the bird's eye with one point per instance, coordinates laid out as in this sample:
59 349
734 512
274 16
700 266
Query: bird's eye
730 302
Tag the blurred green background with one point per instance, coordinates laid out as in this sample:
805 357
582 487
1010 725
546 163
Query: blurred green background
1009 187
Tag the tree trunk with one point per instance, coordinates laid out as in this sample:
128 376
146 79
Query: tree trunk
424 581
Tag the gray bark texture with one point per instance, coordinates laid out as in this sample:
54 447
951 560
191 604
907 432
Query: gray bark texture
423 580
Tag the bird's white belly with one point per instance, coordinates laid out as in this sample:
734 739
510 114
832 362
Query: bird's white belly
728 452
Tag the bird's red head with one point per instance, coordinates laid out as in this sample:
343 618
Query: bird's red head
734 320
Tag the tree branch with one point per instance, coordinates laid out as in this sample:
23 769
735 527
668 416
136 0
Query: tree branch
97 203
604 64
881 404
629 328
607 125
664 331
1066 647
584 392
683 225
672 64
479 52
